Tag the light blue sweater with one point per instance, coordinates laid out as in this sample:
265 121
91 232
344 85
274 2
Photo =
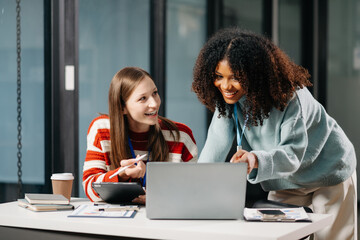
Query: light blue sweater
301 147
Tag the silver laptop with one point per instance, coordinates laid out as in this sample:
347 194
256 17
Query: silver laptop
195 190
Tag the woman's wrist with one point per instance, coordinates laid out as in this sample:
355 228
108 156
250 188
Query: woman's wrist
123 177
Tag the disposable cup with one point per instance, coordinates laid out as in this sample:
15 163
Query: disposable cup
62 184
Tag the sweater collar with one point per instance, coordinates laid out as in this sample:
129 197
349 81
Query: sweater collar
143 136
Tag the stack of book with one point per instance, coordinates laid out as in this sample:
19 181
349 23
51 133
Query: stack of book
45 202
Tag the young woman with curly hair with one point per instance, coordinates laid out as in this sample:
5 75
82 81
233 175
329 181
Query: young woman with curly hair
293 148
132 128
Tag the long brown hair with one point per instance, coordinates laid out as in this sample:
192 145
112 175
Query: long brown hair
122 86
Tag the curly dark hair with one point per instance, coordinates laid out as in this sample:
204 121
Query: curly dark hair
267 75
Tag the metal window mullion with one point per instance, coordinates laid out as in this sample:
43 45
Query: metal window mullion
64 104
158 47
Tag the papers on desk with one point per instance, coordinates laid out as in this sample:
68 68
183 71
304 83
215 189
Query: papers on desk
289 215
104 211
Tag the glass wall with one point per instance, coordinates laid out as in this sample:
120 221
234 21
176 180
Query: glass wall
112 34
249 15
246 14
32 92
186 26
290 28
343 68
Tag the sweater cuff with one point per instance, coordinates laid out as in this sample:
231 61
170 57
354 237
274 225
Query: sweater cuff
265 167
108 174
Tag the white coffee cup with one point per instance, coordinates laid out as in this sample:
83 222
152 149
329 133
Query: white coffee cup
62 184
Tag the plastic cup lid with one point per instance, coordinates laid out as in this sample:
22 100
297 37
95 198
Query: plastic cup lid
62 176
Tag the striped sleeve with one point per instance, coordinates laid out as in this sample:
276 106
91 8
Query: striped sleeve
185 150
97 163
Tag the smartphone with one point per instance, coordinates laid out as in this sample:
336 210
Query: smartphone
272 214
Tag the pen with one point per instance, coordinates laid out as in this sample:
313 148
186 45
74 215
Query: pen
125 208
123 169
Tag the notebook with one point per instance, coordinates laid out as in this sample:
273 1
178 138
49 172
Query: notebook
44 207
46 198
195 190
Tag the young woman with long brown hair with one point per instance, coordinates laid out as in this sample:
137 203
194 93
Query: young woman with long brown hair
132 128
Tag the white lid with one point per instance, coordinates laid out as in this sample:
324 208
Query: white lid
62 176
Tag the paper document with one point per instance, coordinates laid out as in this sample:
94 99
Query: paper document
104 211
289 215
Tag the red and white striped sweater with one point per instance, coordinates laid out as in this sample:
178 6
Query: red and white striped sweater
97 162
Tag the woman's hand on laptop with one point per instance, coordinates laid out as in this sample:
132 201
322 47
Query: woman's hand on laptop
132 170
245 156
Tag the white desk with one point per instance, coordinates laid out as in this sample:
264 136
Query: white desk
16 222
